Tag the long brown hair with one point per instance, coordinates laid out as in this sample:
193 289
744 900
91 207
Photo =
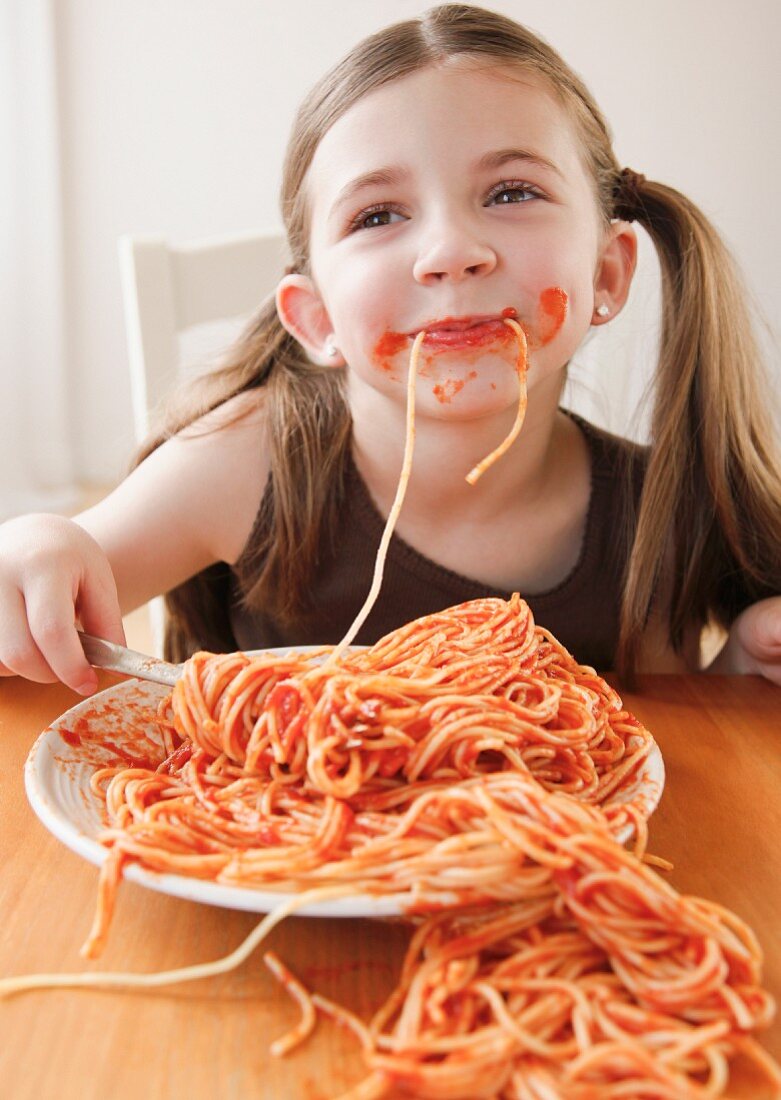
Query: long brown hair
710 505
708 537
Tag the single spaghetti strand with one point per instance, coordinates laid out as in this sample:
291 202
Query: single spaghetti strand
375 1087
477 471
304 1028
120 980
393 515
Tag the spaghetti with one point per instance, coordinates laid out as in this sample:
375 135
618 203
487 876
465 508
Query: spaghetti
465 761
614 986
393 515
406 468
477 472
466 764
374 772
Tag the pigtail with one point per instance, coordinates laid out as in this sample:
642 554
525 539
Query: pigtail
308 429
708 538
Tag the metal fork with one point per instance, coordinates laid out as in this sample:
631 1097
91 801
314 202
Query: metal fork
118 658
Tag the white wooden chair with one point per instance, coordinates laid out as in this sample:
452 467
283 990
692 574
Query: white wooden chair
169 290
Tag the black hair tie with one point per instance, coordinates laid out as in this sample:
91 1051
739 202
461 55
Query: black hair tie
626 195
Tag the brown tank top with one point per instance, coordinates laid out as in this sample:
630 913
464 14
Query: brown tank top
582 611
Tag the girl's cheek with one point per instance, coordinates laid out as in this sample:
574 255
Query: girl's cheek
551 313
387 348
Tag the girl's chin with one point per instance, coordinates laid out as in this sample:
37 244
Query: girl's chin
478 384
451 400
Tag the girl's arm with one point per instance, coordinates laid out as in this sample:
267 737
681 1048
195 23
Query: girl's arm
754 642
190 503
753 645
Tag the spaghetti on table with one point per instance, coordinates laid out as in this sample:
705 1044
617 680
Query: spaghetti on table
465 756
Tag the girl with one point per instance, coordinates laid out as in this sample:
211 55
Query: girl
450 172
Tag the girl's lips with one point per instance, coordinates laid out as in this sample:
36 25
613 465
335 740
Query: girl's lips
471 335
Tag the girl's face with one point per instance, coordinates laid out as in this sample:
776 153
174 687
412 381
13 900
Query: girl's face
441 201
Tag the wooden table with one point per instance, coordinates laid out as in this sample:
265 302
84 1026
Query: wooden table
719 821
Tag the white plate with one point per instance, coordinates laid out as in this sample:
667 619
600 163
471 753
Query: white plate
118 721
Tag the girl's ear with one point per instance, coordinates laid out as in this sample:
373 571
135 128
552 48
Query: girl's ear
302 312
614 272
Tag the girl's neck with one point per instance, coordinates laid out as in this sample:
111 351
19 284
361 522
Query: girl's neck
445 452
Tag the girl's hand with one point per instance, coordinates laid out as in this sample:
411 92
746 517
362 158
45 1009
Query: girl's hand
754 642
53 575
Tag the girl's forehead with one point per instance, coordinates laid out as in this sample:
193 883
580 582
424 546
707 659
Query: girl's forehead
455 112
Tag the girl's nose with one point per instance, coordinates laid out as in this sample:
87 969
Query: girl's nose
452 252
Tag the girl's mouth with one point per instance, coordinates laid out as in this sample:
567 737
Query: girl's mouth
453 333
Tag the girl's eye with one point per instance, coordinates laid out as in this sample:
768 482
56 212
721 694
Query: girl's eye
513 191
373 217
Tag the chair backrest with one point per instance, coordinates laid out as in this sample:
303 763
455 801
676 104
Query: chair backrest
168 289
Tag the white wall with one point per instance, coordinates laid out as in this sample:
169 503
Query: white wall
36 462
175 115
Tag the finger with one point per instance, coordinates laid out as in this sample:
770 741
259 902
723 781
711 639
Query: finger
98 606
20 652
771 671
52 619
768 626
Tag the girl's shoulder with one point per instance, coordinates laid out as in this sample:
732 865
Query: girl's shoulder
608 445
242 412
618 464
190 503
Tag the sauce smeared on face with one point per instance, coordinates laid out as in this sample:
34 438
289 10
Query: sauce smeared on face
389 345
551 314
447 390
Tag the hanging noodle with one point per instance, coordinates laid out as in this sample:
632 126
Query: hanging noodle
477 472
393 515
406 468
465 764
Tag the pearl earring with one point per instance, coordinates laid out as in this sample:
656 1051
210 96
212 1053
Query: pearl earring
603 310
331 350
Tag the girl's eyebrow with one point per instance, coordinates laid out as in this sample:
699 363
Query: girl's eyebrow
387 175
392 175
502 156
